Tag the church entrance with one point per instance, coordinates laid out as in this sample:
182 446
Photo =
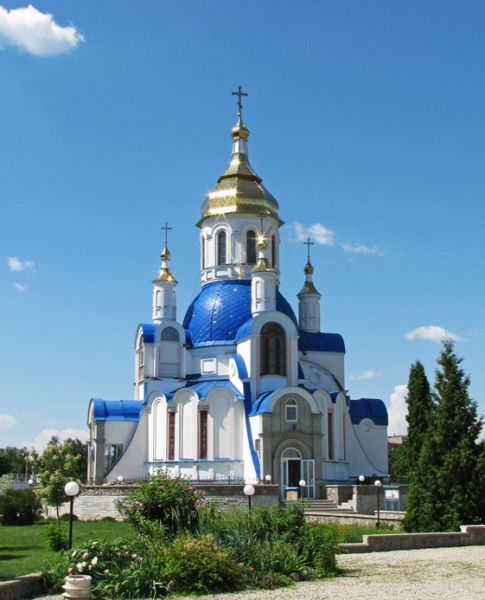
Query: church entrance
295 469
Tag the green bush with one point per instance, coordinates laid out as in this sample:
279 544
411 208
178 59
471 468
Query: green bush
66 517
165 498
199 565
19 507
57 538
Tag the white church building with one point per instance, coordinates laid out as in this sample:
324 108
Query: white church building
241 388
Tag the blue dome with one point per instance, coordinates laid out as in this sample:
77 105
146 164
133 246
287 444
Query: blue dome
220 308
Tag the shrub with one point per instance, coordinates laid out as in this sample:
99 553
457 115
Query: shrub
19 507
199 565
165 498
66 517
318 547
57 538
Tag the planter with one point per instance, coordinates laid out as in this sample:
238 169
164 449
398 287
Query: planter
77 586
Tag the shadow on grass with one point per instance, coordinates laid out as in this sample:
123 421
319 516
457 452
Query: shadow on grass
3 548
11 556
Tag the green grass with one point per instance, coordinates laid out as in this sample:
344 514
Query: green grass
23 549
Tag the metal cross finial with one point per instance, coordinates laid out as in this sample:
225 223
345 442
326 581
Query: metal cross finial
166 228
308 243
239 94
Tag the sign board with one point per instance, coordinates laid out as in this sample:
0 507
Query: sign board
391 494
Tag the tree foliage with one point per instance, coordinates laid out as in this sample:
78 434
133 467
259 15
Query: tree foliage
13 460
448 478
58 464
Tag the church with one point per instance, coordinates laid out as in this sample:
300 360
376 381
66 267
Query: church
242 389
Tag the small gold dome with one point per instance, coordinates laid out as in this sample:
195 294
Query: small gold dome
239 189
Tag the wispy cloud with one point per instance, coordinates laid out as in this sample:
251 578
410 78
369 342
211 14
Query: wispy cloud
360 248
433 333
364 375
6 422
19 287
35 32
16 265
43 437
397 411
317 232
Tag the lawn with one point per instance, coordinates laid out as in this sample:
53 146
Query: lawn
23 549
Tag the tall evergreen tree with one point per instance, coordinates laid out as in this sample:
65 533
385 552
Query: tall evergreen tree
420 412
446 486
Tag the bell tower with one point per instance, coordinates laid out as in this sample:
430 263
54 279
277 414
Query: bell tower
164 306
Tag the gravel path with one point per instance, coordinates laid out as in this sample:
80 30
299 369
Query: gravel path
440 573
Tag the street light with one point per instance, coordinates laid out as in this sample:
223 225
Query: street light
302 484
249 492
267 478
361 479
71 489
119 479
378 484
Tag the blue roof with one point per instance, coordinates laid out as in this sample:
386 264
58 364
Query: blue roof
261 404
148 332
321 342
117 410
219 310
205 386
368 408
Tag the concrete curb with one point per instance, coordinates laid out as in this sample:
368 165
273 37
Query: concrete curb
25 586
470 535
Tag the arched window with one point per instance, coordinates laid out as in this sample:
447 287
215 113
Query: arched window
141 360
170 334
251 248
273 350
273 251
221 248
291 411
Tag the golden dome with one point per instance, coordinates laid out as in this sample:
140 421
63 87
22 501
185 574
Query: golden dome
239 189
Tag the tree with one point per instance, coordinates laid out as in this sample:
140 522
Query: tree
58 464
447 483
420 406
420 413
13 460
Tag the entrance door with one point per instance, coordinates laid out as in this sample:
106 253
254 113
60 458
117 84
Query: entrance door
308 474
294 469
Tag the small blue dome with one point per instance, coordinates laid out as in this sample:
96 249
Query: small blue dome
220 308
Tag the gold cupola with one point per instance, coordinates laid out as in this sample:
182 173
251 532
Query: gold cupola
239 189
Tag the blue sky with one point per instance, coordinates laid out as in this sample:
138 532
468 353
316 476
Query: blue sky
367 120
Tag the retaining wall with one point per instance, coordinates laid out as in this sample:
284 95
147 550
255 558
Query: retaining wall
20 587
99 501
470 535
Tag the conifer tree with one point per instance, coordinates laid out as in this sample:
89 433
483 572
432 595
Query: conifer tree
420 412
446 487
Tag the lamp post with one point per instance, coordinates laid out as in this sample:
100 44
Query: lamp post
267 478
378 484
249 492
71 489
361 479
302 484
119 479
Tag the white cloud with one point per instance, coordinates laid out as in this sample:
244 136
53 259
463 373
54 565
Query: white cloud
364 375
397 411
6 422
16 265
433 333
360 248
35 32
19 287
317 232
43 437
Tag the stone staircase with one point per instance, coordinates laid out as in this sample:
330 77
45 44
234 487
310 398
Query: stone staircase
327 506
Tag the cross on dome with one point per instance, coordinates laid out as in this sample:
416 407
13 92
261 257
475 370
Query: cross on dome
239 94
166 228
308 243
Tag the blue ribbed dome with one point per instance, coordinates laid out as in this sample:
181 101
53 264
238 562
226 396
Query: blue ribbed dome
220 308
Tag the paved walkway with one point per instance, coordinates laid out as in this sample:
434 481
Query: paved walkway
440 573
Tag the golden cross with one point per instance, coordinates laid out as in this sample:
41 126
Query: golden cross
239 94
